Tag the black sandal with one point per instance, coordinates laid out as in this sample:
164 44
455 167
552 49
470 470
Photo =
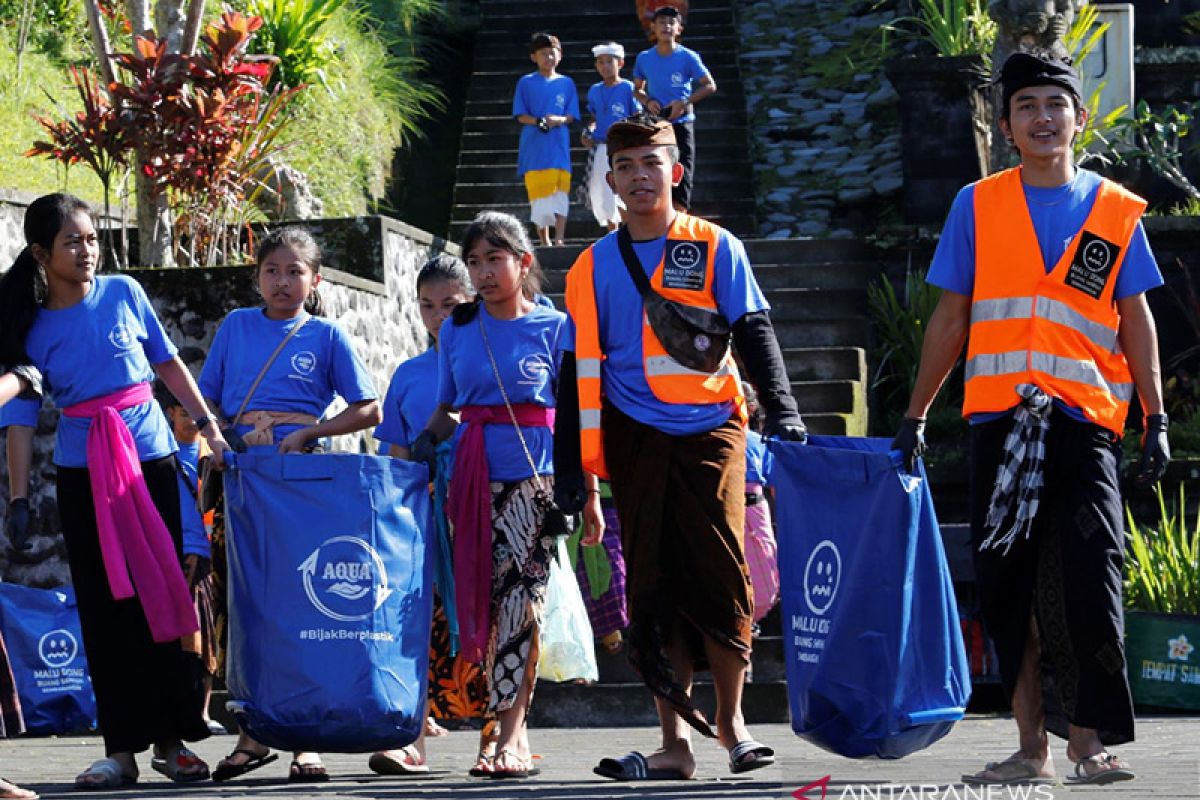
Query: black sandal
224 772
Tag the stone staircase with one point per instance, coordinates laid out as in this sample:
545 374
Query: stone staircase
486 176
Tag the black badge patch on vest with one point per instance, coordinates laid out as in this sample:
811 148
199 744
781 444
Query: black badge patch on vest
1093 263
685 265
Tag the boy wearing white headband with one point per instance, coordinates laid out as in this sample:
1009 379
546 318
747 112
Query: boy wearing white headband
608 101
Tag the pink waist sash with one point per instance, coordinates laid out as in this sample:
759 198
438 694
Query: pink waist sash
134 540
469 509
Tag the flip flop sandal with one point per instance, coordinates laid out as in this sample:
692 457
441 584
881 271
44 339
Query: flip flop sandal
1115 771
634 767
181 766
307 773
224 772
385 763
1013 772
110 773
482 766
502 774
14 792
750 755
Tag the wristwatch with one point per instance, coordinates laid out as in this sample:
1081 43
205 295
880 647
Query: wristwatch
203 423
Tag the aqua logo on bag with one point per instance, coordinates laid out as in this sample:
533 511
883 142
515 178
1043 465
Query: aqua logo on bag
345 579
58 648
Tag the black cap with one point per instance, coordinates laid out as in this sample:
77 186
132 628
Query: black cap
667 11
1023 70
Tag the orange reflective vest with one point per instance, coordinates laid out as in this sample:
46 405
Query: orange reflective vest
669 380
1057 330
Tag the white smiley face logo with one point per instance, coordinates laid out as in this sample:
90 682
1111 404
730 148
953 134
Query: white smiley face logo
534 370
822 575
618 110
304 362
560 101
1096 256
677 79
57 648
121 337
685 255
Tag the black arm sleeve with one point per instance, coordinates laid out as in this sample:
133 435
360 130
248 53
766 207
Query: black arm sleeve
567 456
754 338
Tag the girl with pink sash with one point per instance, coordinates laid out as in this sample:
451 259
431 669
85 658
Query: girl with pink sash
98 343
498 366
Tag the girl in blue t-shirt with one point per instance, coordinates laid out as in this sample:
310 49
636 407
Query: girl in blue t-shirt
98 344
457 688
498 366
283 411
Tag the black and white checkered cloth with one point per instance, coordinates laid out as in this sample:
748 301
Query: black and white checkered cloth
1019 478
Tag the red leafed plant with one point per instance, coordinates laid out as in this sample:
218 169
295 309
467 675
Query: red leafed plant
203 127
93 136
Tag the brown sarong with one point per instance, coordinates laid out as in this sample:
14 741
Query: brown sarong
681 504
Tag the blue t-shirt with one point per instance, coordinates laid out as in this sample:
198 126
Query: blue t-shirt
317 363
410 401
620 320
758 458
105 342
195 538
538 96
609 104
1058 214
20 411
528 351
670 78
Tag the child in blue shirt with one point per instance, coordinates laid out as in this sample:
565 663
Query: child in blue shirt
545 103
671 79
498 367
608 100
99 344
316 364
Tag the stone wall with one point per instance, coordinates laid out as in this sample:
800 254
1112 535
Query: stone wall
369 288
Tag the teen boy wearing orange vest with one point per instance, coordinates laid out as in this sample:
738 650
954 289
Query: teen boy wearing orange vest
1045 269
672 442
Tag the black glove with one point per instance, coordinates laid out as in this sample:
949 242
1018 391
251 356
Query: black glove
1156 452
910 441
786 426
754 338
424 449
16 527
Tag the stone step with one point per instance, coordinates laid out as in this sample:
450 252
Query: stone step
555 261
491 43
505 123
582 225
835 424
815 304
852 331
579 63
792 251
497 100
821 397
566 705
732 195
565 19
500 172
826 363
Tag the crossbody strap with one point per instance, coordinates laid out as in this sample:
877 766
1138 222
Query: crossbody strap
637 273
263 372
487 345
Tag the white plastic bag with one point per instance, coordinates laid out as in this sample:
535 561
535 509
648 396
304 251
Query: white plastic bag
567 650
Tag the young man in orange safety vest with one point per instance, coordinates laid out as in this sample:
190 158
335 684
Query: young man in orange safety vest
1044 269
671 439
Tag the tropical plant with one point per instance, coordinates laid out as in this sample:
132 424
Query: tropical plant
1081 40
1156 138
93 136
953 27
296 33
899 323
1162 573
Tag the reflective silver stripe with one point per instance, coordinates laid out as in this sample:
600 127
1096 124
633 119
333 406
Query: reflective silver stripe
1059 312
1070 369
1001 308
659 366
587 368
589 419
986 364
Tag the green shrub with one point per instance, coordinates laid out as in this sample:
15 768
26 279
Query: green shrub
1162 572
42 86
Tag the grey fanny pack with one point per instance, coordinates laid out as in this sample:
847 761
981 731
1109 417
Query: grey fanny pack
695 337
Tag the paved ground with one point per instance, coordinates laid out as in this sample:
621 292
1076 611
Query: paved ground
1166 755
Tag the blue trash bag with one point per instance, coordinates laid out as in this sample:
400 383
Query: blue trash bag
330 599
875 660
45 649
